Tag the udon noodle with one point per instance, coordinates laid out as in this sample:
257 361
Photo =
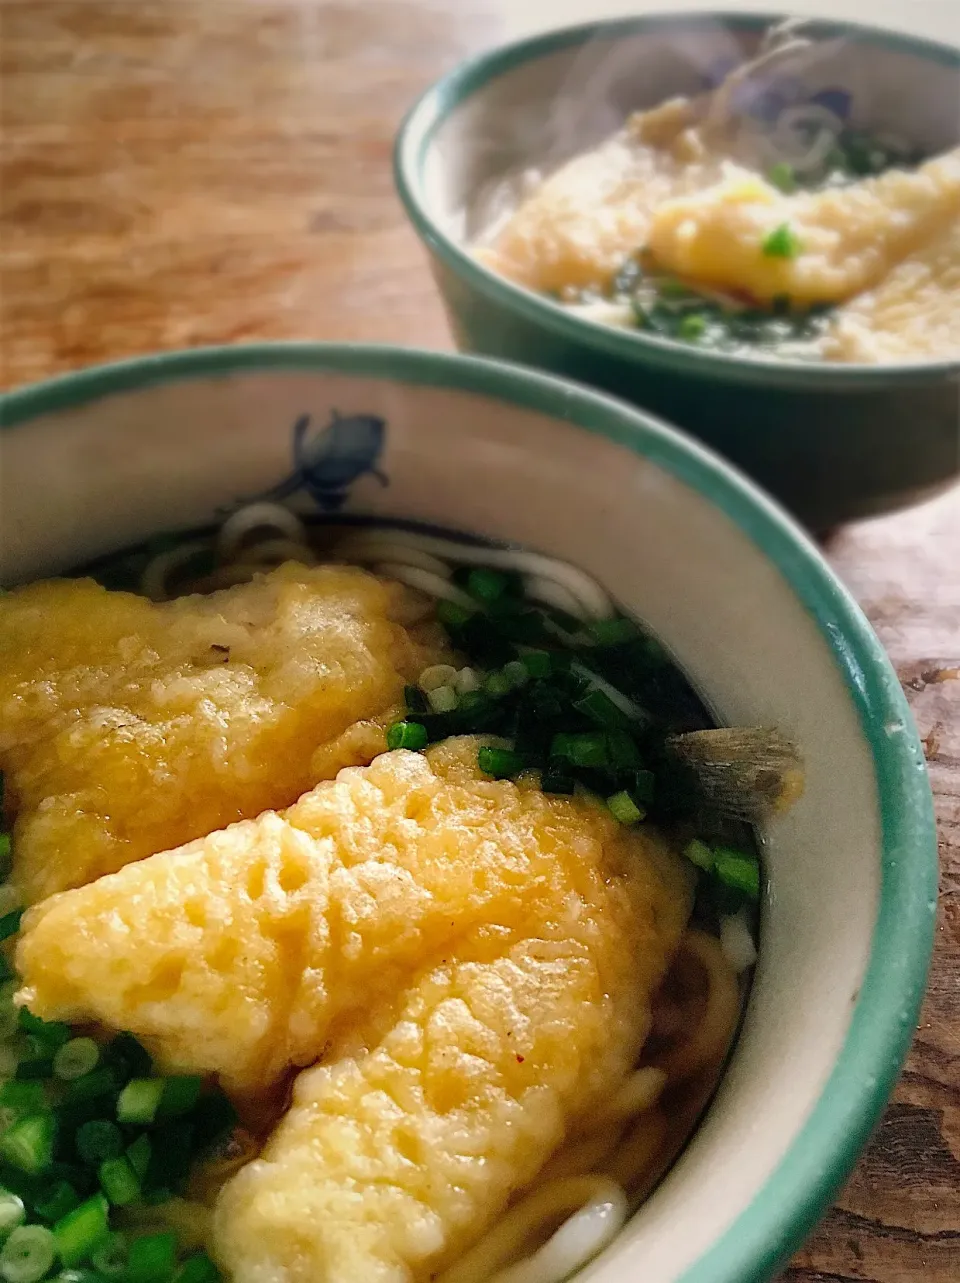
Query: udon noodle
589 1188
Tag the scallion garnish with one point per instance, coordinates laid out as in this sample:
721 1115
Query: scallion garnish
10 924
139 1154
139 1101
412 735
501 763
538 663
50 1033
28 1254
152 1259
56 1201
6 855
180 1093
624 809
12 1212
28 1144
75 1058
738 871
700 854
98 1140
119 1182
442 699
486 585
586 750
197 1269
112 1257
81 1231
783 177
782 242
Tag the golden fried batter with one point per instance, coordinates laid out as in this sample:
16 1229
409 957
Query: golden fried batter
128 727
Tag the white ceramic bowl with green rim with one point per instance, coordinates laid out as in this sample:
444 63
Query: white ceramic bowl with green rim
833 441
100 460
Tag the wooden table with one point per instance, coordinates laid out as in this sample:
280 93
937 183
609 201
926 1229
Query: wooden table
180 172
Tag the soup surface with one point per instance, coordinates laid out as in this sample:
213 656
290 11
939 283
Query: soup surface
739 221
380 925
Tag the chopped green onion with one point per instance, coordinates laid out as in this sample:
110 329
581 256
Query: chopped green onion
9 1013
98 1140
601 709
437 675
538 663
783 177
180 1093
28 1254
415 700
140 1099
49 1032
129 1057
582 750
442 699
77 1276
102 1082
623 753
501 763
738 871
624 809
644 787
28 1144
12 1212
119 1182
138 1155
10 924
17 1099
466 681
782 242
612 632
700 854
412 735
692 326
453 615
497 684
56 1201
36 1060
486 586
152 1259
112 1257
81 1231
75 1058
557 781
516 673
197 1269
6 855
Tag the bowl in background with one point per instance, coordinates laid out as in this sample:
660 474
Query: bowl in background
100 460
832 441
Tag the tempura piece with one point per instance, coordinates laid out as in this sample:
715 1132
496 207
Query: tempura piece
471 961
578 227
912 315
128 727
827 245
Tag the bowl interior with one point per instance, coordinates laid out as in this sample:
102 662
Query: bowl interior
98 462
536 104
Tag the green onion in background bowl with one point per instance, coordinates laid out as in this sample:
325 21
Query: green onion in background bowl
832 441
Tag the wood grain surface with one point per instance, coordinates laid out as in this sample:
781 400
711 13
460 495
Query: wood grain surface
180 172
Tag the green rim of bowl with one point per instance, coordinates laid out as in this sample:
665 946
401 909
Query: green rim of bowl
824 1151
428 113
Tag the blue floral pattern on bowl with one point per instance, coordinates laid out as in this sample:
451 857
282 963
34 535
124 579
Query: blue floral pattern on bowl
327 463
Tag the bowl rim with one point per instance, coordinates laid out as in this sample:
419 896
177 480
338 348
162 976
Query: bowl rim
827 1144
431 109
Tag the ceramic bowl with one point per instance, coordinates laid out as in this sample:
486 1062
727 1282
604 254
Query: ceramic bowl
100 460
832 441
